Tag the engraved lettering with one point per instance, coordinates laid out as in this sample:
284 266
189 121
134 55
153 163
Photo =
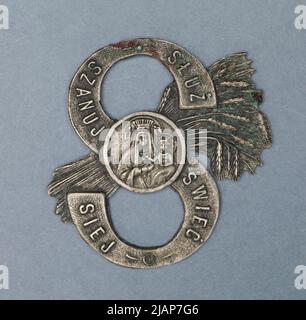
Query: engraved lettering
206 208
193 235
82 92
200 193
87 208
184 66
199 220
94 132
190 178
84 76
86 105
192 82
105 249
95 234
173 58
204 96
85 224
92 65
89 119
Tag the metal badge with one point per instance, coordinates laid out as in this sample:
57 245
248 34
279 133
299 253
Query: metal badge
148 151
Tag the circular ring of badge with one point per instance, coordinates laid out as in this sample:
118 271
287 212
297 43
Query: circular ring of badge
84 102
200 197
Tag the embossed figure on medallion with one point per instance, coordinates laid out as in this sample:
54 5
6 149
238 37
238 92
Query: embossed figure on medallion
147 152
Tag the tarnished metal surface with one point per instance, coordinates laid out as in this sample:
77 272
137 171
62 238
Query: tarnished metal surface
223 100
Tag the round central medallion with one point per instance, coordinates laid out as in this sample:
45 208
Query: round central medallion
144 152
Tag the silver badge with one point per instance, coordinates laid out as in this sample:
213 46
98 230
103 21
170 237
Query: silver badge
212 111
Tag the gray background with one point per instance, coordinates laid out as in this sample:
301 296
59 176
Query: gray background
261 234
